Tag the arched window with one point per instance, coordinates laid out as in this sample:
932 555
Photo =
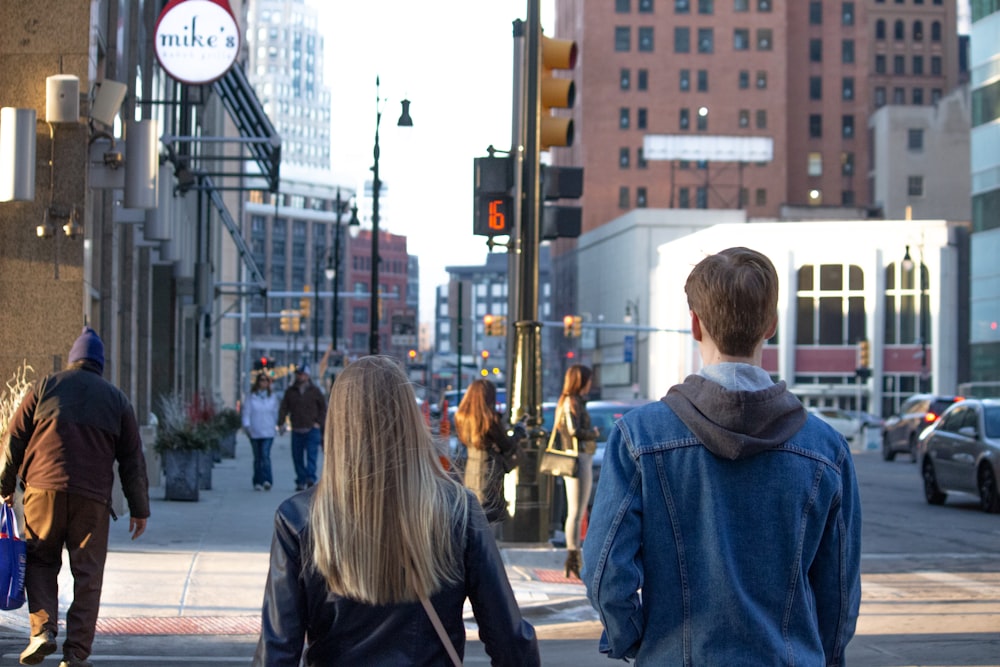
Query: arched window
902 313
936 31
918 31
830 308
880 29
898 31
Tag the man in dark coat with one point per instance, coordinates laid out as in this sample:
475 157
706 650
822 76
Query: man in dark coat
64 440
304 404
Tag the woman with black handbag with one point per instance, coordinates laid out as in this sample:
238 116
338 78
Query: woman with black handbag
575 432
491 452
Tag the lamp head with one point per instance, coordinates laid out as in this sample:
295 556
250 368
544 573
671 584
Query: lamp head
354 226
907 260
404 119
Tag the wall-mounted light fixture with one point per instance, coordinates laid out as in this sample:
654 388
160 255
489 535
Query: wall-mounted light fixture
17 154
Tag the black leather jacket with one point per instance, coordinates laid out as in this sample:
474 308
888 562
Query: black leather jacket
340 631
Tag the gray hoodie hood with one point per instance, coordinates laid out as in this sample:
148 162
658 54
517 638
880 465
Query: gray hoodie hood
736 423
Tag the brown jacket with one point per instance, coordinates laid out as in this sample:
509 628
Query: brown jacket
67 434
304 403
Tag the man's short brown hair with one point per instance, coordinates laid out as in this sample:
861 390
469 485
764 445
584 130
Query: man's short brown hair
734 293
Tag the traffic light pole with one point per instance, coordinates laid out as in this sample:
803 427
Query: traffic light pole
530 522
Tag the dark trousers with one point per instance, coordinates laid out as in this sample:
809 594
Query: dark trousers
261 460
305 454
52 520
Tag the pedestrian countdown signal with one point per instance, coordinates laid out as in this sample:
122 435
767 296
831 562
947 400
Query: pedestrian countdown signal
492 216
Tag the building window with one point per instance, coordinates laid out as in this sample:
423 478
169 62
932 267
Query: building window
623 6
815 12
702 80
815 50
706 40
640 159
624 118
918 65
701 197
915 186
847 51
702 120
685 81
643 82
625 78
741 39
899 31
936 65
623 198
744 118
761 119
880 63
744 79
847 198
815 126
741 5
899 64
830 304
682 40
847 127
684 198
815 164
847 88
935 95
685 119
936 31
641 118
624 158
918 31
815 88
682 6
761 79
915 139
765 39
763 5
623 38
706 6
879 96
640 197
645 6
847 164
646 39
918 96
847 13
880 29
898 96
760 196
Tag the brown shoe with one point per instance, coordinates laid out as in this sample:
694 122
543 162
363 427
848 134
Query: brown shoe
38 647
73 662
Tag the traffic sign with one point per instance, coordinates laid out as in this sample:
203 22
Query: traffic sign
231 346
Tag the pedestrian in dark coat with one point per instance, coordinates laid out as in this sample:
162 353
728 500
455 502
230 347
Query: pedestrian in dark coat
65 439
304 404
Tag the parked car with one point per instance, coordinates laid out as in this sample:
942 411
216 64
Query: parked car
840 420
961 452
901 431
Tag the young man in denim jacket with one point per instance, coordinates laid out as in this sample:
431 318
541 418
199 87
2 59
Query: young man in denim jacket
727 525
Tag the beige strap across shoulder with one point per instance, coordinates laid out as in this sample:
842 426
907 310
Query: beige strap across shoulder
439 628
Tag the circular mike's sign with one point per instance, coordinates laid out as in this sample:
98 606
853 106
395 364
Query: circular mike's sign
197 41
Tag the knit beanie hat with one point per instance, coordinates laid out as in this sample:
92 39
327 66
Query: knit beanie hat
88 346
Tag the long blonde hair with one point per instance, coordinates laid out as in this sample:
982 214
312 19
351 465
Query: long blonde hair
383 512
476 413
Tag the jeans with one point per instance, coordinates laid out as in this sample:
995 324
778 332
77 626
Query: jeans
261 460
305 452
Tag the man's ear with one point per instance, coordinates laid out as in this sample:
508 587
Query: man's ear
772 328
696 326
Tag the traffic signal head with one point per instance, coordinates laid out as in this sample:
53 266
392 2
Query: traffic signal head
568 326
492 180
413 355
577 326
864 352
555 92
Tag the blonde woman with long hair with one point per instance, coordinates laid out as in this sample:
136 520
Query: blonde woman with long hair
385 526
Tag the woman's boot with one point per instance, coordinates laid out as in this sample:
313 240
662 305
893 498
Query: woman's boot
573 562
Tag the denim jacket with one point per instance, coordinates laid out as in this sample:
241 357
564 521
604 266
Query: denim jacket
726 530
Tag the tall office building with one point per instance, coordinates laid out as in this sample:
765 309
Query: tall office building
984 304
806 75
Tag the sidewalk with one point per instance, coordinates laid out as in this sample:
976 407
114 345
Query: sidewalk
200 567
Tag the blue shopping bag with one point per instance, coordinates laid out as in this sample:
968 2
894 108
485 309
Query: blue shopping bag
12 560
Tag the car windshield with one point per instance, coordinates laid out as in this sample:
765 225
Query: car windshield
991 418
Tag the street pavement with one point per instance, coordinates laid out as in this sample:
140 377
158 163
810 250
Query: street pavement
189 591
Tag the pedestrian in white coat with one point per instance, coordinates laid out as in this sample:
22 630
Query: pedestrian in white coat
260 416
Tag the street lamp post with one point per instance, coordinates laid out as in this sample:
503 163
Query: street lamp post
630 307
315 306
404 121
337 235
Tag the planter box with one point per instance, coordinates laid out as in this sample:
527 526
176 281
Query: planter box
205 463
180 472
227 446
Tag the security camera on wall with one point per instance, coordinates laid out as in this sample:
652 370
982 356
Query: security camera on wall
108 98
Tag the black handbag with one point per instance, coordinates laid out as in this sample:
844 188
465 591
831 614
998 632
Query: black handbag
559 462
